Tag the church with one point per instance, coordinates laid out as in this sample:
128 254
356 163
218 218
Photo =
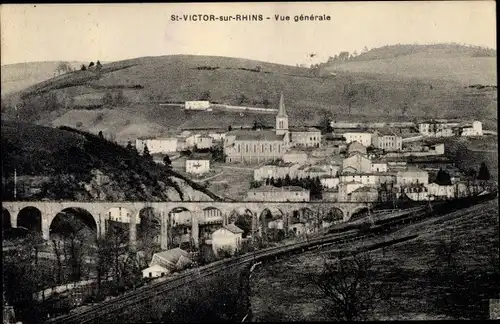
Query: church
256 146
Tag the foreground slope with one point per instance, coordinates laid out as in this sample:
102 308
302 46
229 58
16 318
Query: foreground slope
71 165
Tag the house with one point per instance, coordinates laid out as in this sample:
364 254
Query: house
228 238
305 137
156 145
285 193
218 137
412 175
119 214
379 166
276 170
203 142
155 272
197 105
314 171
365 194
197 166
367 179
472 129
356 163
436 128
356 147
294 156
329 182
387 140
171 260
364 138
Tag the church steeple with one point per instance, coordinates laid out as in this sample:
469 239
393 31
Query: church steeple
282 110
282 118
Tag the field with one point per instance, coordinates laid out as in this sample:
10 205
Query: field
146 82
282 291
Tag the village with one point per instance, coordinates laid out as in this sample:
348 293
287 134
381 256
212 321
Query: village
353 162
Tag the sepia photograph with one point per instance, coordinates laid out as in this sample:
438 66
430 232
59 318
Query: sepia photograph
249 162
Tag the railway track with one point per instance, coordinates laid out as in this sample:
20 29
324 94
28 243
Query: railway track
105 310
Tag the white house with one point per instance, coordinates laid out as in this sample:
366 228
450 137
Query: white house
412 175
180 217
119 214
157 145
197 105
329 182
379 166
218 137
154 272
476 129
364 138
228 238
197 166
435 128
203 142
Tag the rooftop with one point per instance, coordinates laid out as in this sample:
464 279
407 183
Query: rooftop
386 132
267 188
365 189
304 129
261 135
233 228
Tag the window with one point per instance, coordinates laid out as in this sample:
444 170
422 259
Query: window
150 275
254 148
246 148
262 148
238 148
270 147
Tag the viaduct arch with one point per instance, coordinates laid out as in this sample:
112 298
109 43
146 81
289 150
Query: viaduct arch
200 212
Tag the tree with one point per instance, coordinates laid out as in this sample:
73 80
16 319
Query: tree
443 178
243 99
326 122
63 67
83 67
347 285
404 108
229 128
98 65
258 68
349 97
206 95
146 153
167 162
266 103
484 173
91 64
101 136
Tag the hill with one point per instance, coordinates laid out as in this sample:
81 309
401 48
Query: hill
124 97
73 165
464 64
17 77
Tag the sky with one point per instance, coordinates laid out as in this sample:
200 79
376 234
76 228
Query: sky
111 32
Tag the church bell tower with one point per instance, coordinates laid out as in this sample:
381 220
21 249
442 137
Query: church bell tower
282 119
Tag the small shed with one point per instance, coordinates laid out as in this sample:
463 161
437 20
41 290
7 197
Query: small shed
228 238
154 271
169 259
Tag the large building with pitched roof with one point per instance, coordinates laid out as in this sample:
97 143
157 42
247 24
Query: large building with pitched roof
255 146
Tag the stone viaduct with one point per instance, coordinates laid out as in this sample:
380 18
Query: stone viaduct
201 212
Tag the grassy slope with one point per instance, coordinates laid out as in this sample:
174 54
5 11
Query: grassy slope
281 291
17 77
68 158
467 65
149 80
